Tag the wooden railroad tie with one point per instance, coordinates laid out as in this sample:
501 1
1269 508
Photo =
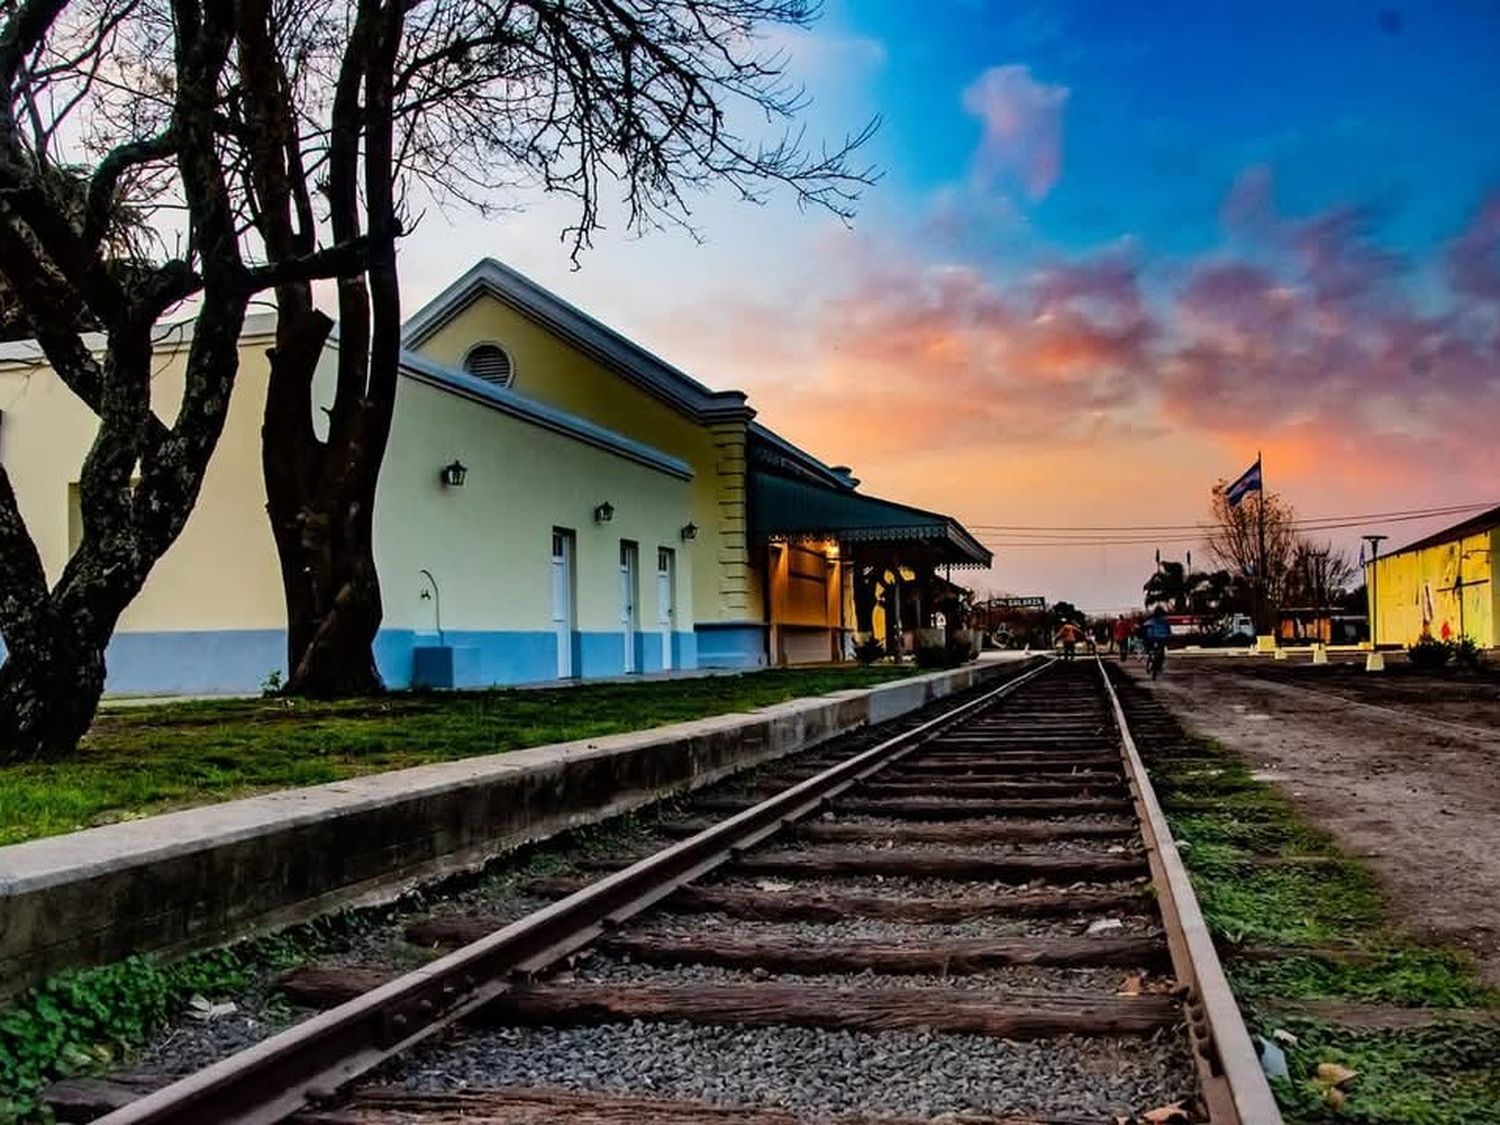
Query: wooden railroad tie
938 956
940 832
956 864
943 808
971 788
793 905
1062 765
544 1106
1005 1015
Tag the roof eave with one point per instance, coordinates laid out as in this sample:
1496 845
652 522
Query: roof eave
592 337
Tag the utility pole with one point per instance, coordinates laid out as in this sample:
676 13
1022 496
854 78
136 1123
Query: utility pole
1374 662
1265 590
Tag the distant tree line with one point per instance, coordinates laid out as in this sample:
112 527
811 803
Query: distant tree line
1298 573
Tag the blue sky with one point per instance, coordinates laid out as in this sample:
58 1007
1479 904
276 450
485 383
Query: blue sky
1168 103
1116 249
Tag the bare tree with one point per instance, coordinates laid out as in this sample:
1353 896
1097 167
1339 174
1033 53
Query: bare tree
347 105
278 139
1320 575
1254 540
114 108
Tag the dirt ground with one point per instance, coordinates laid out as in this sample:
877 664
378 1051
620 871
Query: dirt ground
1402 768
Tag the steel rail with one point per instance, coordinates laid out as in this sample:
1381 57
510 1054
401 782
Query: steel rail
1233 1083
307 1065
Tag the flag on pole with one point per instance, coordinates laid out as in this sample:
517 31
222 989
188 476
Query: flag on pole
1248 482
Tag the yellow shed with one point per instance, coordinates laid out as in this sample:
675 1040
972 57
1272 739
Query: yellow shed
1441 586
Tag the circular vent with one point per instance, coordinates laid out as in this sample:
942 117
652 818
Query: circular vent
490 363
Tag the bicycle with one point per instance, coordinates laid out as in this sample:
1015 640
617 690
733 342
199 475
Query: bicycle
1156 659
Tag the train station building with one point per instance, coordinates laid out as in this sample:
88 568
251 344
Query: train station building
1441 586
556 503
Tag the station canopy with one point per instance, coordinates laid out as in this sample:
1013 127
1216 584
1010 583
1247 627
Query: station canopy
879 531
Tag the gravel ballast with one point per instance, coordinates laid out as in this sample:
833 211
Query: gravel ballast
1009 979
819 1071
820 933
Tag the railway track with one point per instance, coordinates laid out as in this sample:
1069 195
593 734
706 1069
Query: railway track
981 912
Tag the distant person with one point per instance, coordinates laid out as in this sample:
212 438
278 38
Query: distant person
1069 636
1155 632
1123 629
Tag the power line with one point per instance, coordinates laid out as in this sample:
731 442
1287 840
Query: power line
1016 539
1307 523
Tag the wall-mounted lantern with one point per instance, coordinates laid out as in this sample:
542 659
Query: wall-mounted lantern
604 512
689 532
453 474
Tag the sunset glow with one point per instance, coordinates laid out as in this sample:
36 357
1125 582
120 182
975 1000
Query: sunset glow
1116 251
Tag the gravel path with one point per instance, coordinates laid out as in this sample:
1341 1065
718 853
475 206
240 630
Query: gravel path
819 1071
1422 806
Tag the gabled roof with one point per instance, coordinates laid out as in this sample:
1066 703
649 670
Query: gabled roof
598 341
1474 525
507 401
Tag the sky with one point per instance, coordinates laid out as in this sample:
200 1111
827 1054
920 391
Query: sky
1115 251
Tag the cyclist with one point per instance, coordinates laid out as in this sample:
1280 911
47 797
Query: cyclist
1154 634
1069 636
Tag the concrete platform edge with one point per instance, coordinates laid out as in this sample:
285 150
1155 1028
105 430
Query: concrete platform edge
196 878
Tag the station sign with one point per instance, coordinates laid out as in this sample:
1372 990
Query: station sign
1022 603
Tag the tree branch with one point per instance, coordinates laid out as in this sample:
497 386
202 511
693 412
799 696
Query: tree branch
106 178
332 261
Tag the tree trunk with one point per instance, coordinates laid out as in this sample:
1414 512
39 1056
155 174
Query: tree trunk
49 689
321 520
335 611
320 491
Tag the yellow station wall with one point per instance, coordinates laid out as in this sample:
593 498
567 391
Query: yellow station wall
222 571
1413 592
550 370
215 597
489 543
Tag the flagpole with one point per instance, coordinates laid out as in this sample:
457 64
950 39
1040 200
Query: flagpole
1261 508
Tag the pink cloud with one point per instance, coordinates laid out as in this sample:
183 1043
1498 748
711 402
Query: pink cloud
1023 127
1473 259
1307 338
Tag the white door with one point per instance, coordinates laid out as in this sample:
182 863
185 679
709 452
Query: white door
562 601
629 620
666 603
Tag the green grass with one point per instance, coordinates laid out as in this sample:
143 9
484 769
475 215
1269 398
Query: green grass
1444 1075
1296 920
149 759
1402 976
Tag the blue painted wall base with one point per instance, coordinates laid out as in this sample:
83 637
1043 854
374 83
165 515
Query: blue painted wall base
731 645
208 662
244 661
